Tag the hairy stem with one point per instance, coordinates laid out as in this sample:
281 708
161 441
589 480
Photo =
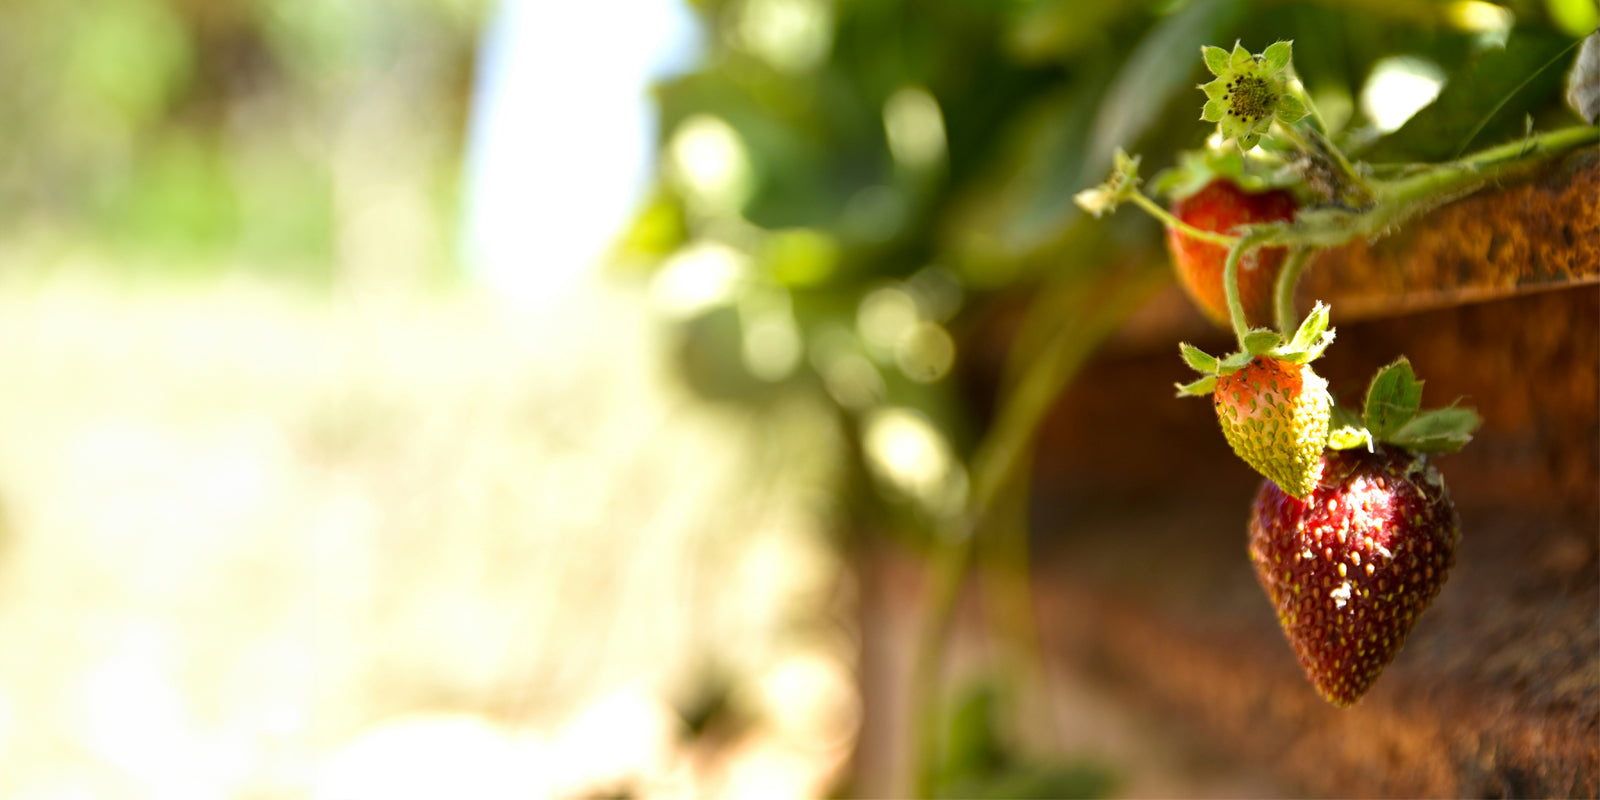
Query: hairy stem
1166 218
1395 201
1230 283
1452 179
1283 292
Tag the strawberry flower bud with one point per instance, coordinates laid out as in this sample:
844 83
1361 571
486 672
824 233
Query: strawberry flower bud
1124 181
1249 92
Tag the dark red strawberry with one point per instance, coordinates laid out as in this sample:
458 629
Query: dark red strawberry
1351 567
1220 206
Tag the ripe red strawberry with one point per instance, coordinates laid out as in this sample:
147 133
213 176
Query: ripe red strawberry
1275 415
1350 567
1220 206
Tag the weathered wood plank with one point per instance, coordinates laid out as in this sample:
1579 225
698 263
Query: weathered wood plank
1539 233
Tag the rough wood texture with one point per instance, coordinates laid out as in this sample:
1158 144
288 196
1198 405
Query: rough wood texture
1497 693
1540 232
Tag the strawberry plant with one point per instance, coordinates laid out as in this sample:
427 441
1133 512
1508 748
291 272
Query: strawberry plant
1219 207
1353 532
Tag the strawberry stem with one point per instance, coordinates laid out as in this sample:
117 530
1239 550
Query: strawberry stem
1230 282
1409 195
1351 188
1283 292
1155 210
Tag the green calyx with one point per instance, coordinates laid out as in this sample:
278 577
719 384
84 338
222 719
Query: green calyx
1307 345
1249 92
1393 415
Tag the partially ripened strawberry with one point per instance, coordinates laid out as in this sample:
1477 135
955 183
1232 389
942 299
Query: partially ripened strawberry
1275 416
1219 207
1350 567
1273 409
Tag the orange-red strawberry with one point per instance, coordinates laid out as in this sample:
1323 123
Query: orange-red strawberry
1351 567
1219 207
1275 415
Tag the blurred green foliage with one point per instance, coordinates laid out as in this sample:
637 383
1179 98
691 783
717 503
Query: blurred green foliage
879 176
977 762
187 131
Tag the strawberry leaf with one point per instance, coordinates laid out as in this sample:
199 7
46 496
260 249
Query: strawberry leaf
1199 388
1392 399
1443 430
1216 59
1198 360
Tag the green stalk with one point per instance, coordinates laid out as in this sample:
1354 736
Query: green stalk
1402 198
1230 282
1432 187
1283 291
1166 218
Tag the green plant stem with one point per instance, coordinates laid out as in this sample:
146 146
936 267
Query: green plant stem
1402 198
1002 458
1456 178
1352 189
1166 218
1230 282
1283 291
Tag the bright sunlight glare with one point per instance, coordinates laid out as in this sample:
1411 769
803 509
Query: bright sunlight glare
1398 88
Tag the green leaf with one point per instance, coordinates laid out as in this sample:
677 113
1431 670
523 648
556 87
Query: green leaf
1249 140
1215 90
1442 430
1213 111
1311 328
1276 56
1342 417
1198 360
1261 341
1216 59
1240 56
1199 388
1290 109
1392 399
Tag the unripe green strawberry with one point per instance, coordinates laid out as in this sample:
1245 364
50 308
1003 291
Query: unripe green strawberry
1219 207
1275 415
1351 567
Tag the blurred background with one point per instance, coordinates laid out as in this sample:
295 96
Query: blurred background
455 398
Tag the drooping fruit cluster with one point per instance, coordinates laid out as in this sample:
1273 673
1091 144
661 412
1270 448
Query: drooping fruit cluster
1353 534
1351 566
1220 207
